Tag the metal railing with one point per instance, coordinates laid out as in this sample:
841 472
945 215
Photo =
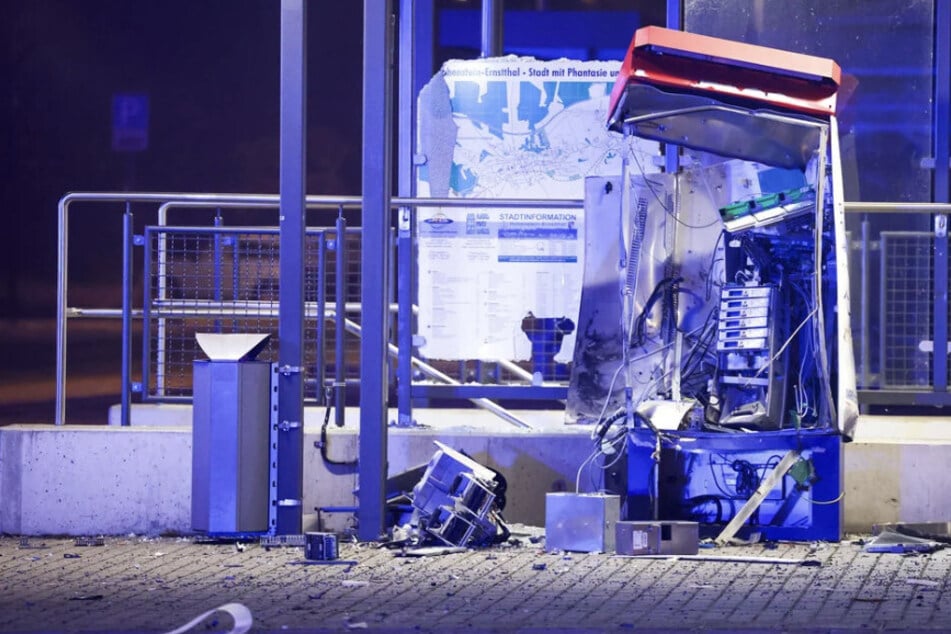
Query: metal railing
164 308
901 309
908 367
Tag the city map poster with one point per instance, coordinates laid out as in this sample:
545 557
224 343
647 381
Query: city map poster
509 127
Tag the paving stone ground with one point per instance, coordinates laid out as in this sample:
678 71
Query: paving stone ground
138 584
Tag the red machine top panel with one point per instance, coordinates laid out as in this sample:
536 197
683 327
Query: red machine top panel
752 75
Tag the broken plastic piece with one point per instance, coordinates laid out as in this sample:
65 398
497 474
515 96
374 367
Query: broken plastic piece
889 541
239 613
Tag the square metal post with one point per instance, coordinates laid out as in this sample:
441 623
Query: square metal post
415 69
493 25
942 164
377 117
290 445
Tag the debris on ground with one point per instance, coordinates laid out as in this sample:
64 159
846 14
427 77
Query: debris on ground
934 531
354 583
239 613
890 541
430 551
457 503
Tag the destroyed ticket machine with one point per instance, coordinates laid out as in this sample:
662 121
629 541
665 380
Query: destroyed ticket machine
715 304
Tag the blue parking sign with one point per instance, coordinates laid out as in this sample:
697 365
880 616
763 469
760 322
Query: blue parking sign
130 122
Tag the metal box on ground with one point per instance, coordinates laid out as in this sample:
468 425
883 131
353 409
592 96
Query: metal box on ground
657 538
321 546
230 439
581 522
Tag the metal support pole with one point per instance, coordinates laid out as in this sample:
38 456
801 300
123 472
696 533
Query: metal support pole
865 311
493 26
340 317
404 323
290 392
125 406
216 271
675 20
942 164
942 103
377 98
939 367
321 343
415 52
675 14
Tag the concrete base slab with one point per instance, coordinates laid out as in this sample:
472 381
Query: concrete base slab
116 480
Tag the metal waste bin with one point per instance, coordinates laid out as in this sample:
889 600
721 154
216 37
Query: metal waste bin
230 435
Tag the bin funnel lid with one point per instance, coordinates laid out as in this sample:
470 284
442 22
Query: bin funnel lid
232 346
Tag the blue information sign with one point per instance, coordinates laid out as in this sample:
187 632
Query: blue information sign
130 122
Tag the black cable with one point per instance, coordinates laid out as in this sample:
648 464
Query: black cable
657 293
322 444
747 479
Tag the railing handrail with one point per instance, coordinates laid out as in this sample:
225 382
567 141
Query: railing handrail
889 208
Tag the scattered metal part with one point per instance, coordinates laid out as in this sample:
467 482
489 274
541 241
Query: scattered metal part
87 597
729 559
354 583
429 551
25 544
89 541
279 541
459 501
71 556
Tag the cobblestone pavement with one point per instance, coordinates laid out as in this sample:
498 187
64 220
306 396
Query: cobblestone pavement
135 584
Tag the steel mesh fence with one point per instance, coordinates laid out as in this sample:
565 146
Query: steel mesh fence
906 308
227 281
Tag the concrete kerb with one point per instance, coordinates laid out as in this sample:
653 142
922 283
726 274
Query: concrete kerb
76 480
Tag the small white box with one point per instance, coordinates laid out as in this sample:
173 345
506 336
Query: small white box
657 538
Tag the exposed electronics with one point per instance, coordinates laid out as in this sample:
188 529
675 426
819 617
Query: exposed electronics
768 209
751 376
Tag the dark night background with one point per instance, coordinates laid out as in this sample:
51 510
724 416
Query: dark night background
211 71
